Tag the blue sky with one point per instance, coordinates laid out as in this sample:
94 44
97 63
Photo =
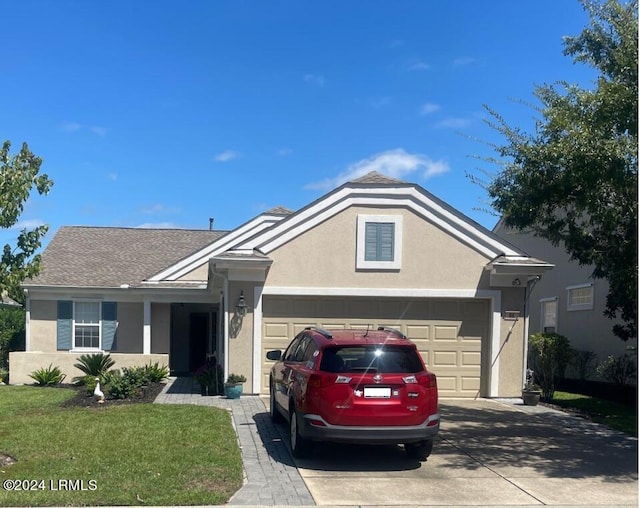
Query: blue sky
163 114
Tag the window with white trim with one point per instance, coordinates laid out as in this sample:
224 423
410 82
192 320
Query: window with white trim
580 297
86 325
379 242
549 314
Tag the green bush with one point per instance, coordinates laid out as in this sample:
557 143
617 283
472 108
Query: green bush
583 364
156 373
95 365
118 386
4 375
549 354
621 370
49 376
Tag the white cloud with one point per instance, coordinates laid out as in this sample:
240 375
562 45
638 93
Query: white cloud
28 224
227 155
465 60
428 108
453 123
158 225
100 131
75 127
418 66
70 126
284 151
315 79
158 208
394 163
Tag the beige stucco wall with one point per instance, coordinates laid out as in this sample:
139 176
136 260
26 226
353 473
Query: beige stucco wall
586 329
241 334
512 335
22 363
199 274
325 256
43 325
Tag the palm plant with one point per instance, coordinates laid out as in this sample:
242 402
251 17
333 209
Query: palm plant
93 365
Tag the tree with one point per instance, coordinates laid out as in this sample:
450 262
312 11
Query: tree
19 174
574 181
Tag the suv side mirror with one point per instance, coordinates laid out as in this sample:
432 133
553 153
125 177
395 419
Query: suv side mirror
275 355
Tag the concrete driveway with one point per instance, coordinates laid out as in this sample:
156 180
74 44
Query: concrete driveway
488 454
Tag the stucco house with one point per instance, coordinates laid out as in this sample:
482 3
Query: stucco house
570 302
376 251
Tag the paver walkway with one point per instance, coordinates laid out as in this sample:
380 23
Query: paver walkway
271 477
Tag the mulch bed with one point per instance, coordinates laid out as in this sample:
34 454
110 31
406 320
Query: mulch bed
82 399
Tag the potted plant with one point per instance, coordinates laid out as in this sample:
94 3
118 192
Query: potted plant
208 376
531 392
233 386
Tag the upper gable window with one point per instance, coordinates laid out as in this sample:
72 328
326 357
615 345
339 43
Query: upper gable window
580 297
379 242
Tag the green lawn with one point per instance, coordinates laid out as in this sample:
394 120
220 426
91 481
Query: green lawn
617 416
118 455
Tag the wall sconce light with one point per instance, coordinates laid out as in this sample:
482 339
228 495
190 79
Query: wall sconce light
516 282
241 306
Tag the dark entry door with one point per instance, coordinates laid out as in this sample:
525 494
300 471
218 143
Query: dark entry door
198 339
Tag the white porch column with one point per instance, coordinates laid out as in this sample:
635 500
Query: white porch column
146 330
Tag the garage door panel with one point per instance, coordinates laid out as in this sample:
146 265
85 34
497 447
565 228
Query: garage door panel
449 334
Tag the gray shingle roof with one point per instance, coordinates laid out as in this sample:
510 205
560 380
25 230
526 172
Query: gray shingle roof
109 257
376 178
279 210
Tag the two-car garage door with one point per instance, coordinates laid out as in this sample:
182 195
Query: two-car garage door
451 334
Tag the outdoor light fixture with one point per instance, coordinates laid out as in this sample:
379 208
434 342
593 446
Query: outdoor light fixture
516 282
241 306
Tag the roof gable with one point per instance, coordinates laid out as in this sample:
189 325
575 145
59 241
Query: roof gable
375 190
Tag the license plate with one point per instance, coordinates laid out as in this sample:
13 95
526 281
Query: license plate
377 392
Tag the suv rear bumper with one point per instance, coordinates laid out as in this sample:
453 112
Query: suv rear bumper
317 429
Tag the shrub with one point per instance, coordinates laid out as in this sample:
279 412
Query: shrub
4 375
156 373
50 376
118 386
549 354
620 371
583 364
95 365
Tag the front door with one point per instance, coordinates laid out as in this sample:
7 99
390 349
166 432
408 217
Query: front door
198 339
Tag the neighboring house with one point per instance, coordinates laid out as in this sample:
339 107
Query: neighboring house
568 301
374 252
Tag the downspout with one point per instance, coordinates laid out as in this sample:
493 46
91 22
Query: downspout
27 324
531 284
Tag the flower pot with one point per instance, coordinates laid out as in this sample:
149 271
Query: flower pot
233 390
531 397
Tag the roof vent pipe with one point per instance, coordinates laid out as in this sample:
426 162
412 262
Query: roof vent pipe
210 223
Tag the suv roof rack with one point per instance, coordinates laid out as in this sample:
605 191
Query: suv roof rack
327 334
393 331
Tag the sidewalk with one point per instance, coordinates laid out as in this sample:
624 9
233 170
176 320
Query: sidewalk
271 477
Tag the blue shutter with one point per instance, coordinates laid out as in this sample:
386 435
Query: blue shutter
109 325
378 243
65 325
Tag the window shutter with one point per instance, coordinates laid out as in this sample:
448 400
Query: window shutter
386 235
371 242
109 325
65 325
379 237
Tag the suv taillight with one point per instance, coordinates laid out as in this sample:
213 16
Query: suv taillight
428 380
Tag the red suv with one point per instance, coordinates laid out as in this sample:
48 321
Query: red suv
356 386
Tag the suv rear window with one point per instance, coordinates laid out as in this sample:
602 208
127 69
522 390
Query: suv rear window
373 359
